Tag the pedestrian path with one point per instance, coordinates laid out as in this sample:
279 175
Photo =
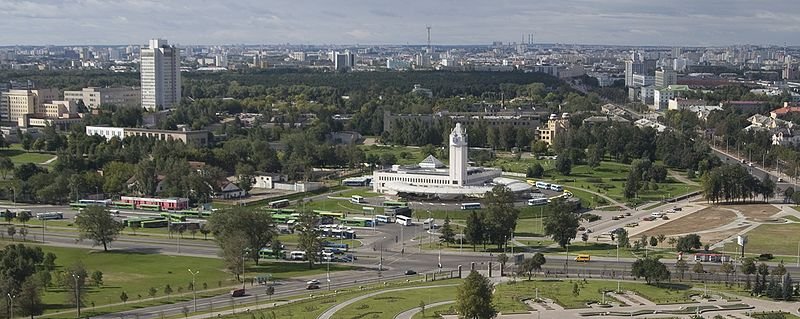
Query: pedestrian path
408 314
330 312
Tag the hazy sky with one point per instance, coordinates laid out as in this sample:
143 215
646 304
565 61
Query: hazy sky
638 22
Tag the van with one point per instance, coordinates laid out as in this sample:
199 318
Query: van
582 258
657 214
297 255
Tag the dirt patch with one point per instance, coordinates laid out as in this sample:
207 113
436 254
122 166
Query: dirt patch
757 212
704 219
715 237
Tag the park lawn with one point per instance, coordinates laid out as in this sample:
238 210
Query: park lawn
20 156
762 240
389 305
131 272
404 155
761 315
529 227
337 205
608 250
435 312
360 191
508 297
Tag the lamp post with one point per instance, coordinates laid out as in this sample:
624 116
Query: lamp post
77 295
243 276
194 289
11 302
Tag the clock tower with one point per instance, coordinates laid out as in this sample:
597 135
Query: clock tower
458 156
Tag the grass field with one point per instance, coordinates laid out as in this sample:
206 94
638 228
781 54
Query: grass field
389 305
435 312
135 273
20 156
508 297
361 191
760 315
762 240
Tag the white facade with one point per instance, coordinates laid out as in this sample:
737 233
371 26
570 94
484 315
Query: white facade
665 78
93 97
160 75
106 131
458 155
661 98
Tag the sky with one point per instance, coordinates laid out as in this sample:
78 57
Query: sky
613 22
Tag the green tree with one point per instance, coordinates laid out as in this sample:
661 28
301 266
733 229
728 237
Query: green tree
698 268
474 298
168 290
44 278
308 239
97 278
748 268
75 281
448 235
29 300
97 224
681 266
653 241
474 231
49 262
123 297
11 231
593 156
152 292
270 291
254 227
6 166
688 243
562 223
651 269
245 175
501 215
17 263
24 217
564 164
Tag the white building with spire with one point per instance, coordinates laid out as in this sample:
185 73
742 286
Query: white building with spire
431 178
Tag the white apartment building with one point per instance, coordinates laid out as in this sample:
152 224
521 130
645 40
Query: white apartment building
93 97
661 97
160 75
665 78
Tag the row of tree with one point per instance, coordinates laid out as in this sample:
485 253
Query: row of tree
732 182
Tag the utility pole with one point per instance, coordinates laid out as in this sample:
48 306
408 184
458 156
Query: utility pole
77 295
11 302
194 289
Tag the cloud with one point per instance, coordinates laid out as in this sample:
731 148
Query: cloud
675 22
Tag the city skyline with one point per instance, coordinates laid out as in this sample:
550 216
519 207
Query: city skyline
624 22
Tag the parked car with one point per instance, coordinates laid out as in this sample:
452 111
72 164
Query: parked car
615 218
237 292
410 272
627 213
312 284
677 209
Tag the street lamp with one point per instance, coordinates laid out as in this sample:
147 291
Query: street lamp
77 295
11 299
194 289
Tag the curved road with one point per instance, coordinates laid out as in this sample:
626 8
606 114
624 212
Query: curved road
408 314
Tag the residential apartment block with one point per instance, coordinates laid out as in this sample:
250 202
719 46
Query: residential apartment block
93 97
198 138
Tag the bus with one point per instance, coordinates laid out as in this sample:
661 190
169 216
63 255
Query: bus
278 203
355 199
357 222
557 188
383 219
582 258
537 201
325 213
403 220
468 206
154 223
334 247
394 204
714 258
173 217
189 213
530 182
77 206
542 185
266 253
151 207
50 215
98 202
122 205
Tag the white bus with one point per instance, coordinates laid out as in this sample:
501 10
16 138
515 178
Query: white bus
557 188
468 206
50 215
383 219
542 185
403 220
537 201
355 199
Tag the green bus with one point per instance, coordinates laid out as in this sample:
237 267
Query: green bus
122 205
325 213
357 222
282 218
174 217
155 223
266 253
282 211
395 204
137 221
189 213
77 206
150 207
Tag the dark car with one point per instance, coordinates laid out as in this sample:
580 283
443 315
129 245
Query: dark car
237 292
410 272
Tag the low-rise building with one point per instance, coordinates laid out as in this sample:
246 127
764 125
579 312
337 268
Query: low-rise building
199 138
94 97
555 126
